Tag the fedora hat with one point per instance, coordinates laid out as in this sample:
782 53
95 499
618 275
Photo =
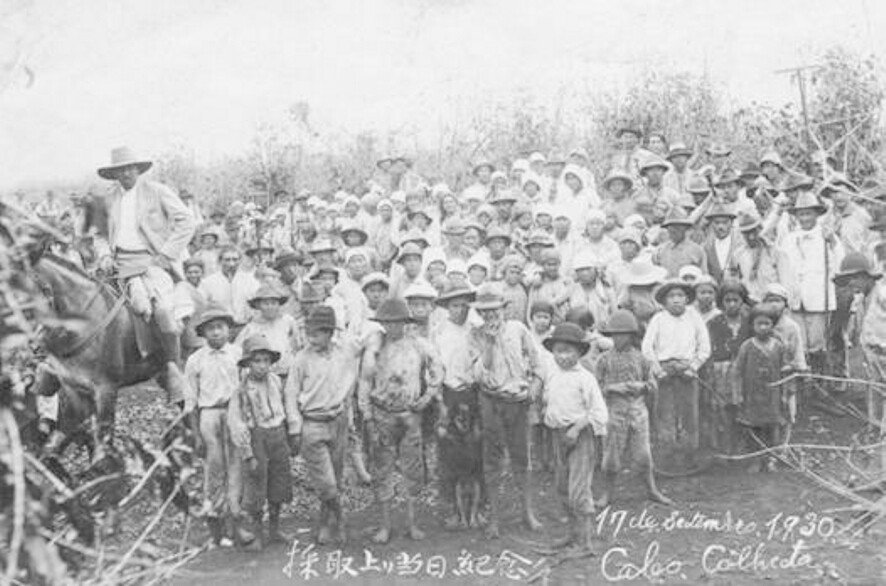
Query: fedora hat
321 317
749 222
676 216
652 162
807 201
254 345
210 314
420 290
855 263
451 291
679 149
671 284
621 321
490 296
267 292
720 210
393 310
644 274
567 333
123 157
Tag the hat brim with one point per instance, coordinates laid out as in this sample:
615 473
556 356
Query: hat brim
243 362
750 227
680 153
818 208
677 222
481 305
384 320
253 303
610 332
201 325
581 346
447 297
656 166
110 172
842 276
666 288
729 215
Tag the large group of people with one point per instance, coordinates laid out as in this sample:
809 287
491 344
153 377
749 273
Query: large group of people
558 311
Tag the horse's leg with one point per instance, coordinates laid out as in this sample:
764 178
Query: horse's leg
105 407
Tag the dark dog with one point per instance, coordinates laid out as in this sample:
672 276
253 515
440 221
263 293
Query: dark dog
461 460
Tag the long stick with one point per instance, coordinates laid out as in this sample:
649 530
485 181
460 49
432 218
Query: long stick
18 473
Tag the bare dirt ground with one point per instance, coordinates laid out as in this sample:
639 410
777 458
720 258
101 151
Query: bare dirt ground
729 527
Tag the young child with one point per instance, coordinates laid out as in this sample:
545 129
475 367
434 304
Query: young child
258 428
280 329
551 286
677 344
513 289
584 319
478 270
761 360
627 381
318 395
727 332
405 381
706 297
541 314
213 380
789 333
575 411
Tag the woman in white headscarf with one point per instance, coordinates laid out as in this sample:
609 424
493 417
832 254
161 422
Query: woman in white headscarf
577 191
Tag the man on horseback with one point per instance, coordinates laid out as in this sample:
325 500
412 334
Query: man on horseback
149 231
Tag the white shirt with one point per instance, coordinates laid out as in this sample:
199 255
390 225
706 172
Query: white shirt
722 246
232 294
128 235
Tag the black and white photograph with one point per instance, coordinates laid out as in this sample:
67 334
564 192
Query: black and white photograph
416 292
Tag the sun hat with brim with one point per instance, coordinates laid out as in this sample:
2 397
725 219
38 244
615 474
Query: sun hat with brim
193 262
644 274
580 152
321 318
497 232
748 222
288 258
629 235
727 177
771 157
420 212
750 172
542 239
318 272
376 278
409 249
393 310
621 321
415 237
705 281
257 344
123 157
210 314
567 333
776 290
698 185
679 149
653 162
211 231
671 285
420 290
267 292
688 272
479 260
481 164
720 210
258 247
489 296
355 251
797 182
628 129
677 216
807 201
513 261
455 291
354 229
686 201
503 196
454 225
718 149
837 182
618 175
856 263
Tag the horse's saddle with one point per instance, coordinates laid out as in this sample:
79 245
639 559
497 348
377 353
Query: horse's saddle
138 304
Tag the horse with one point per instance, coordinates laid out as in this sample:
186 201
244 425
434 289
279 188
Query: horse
106 355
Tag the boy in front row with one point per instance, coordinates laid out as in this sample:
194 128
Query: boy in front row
576 412
626 379
318 392
257 418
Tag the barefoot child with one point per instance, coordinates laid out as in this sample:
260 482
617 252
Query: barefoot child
575 411
258 426
626 380
322 379
406 380
761 360
213 377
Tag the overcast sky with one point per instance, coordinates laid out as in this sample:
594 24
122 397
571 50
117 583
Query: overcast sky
203 73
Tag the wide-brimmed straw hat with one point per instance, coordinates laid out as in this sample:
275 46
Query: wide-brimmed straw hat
671 284
123 157
807 201
455 291
268 292
618 174
644 274
376 278
652 162
568 333
676 216
210 314
409 249
718 149
720 210
749 222
679 149
254 345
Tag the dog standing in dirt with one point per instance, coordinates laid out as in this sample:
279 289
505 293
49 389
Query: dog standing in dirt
461 458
